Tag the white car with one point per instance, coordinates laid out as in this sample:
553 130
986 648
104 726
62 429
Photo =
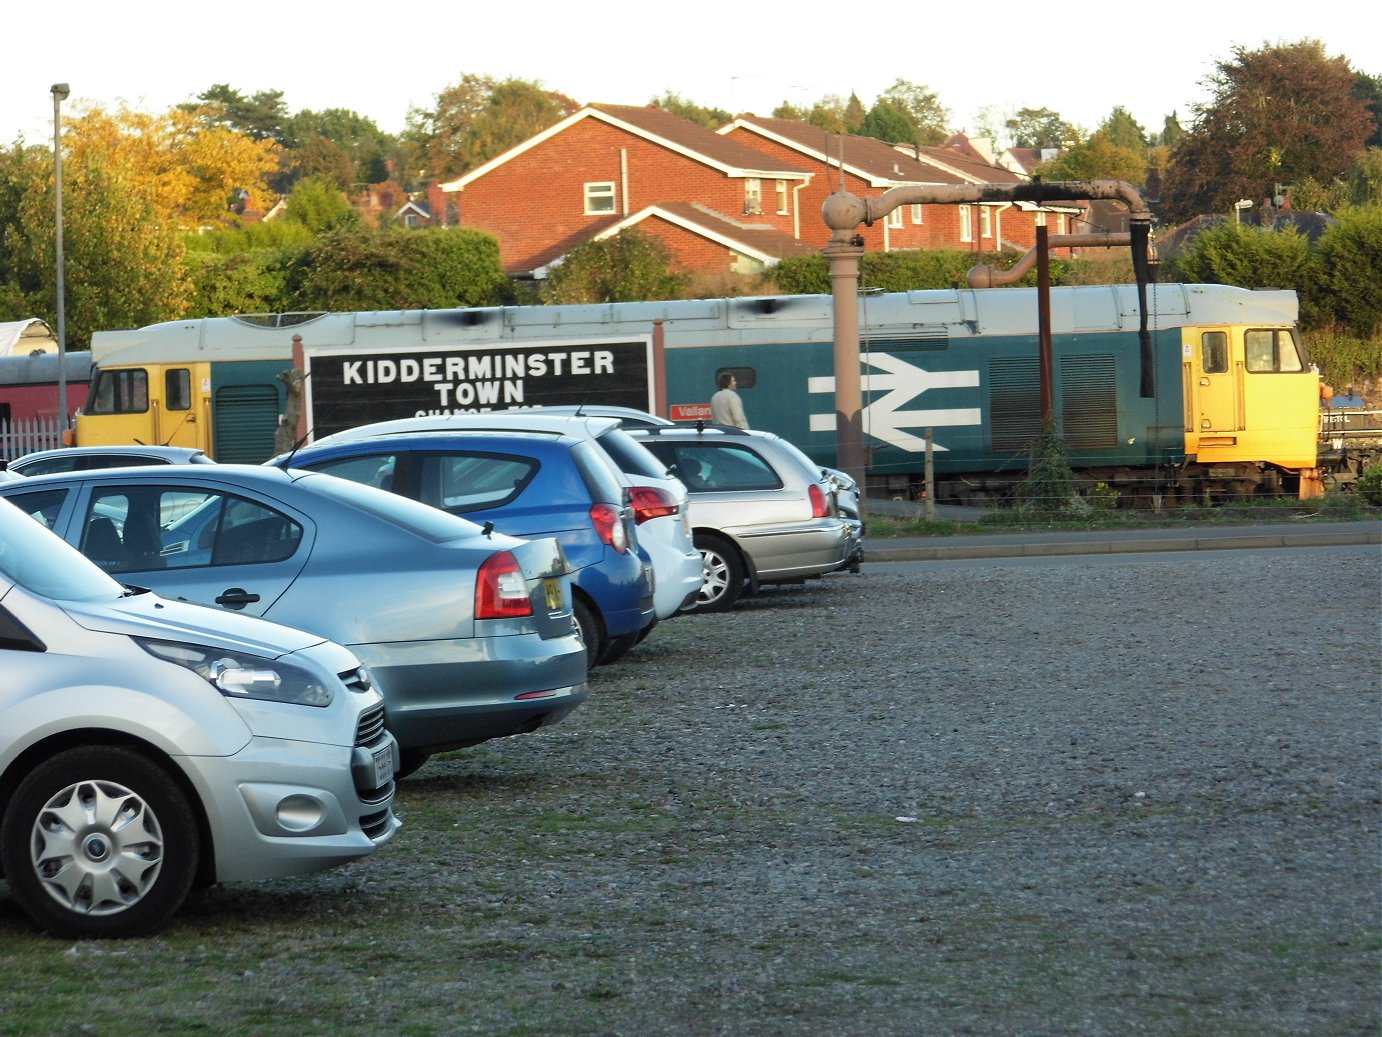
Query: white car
660 500
148 745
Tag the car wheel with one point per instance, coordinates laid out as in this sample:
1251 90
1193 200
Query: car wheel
723 579
619 647
592 632
410 760
99 841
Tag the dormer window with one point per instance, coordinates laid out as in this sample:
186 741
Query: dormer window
599 198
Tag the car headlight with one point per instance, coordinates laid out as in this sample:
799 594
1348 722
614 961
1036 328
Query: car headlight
236 675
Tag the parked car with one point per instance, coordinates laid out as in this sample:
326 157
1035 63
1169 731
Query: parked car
528 485
659 500
846 488
468 633
759 515
148 745
81 458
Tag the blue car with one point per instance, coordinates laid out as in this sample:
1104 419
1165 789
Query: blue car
526 485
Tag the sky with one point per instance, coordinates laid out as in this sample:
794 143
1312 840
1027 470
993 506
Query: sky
151 54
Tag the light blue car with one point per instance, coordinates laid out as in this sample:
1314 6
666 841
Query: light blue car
469 634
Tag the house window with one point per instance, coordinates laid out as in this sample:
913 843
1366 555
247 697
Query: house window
599 198
916 214
782 197
895 218
985 222
753 196
453 214
966 223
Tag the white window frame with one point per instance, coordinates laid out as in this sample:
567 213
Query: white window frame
895 218
782 197
985 221
598 191
966 222
917 215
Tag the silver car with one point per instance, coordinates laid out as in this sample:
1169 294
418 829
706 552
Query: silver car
760 514
468 633
149 745
80 458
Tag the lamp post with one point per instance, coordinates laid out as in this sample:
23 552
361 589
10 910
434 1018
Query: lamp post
60 92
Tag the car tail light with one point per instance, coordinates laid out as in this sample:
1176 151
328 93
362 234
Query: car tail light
609 526
650 502
819 506
501 591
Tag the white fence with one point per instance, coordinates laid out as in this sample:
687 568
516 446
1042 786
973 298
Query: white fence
21 437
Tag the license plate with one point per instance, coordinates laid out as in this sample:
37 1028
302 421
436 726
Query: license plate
383 766
552 588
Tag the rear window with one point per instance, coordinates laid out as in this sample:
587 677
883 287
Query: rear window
414 516
601 478
630 455
707 467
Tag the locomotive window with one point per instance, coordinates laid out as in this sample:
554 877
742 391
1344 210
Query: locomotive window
746 377
119 392
1267 350
177 389
1214 352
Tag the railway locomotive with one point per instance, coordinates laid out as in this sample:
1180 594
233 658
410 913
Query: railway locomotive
1233 407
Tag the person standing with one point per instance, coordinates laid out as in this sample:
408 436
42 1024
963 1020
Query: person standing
725 406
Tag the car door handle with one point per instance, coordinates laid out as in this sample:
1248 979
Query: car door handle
235 598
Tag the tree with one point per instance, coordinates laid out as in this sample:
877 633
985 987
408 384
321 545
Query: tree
1123 131
886 122
480 118
628 267
1171 131
340 142
929 118
1278 115
1098 158
259 117
1039 128
710 118
318 204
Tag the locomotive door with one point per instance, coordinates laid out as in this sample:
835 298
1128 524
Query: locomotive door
1217 389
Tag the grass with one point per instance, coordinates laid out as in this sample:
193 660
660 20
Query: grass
1333 507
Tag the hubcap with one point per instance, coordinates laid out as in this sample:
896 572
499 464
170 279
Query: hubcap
715 580
97 848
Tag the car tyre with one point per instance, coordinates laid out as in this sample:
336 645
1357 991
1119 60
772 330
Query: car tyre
723 579
99 841
592 632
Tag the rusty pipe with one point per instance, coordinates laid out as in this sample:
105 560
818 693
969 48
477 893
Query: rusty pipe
985 276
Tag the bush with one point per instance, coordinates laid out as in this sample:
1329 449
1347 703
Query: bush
1369 485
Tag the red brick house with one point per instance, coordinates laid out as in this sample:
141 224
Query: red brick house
867 167
734 201
720 205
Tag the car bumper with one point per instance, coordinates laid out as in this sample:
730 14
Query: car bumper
442 695
281 807
793 552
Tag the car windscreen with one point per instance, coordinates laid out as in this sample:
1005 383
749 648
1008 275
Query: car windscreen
630 455
418 518
40 561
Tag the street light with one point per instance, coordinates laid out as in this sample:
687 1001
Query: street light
60 92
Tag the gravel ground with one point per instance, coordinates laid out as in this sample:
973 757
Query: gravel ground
995 798
984 799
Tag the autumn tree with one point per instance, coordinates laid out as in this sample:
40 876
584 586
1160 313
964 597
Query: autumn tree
1097 158
338 143
1278 115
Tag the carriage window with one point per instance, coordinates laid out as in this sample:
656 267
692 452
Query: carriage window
1266 350
119 392
177 389
1214 352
